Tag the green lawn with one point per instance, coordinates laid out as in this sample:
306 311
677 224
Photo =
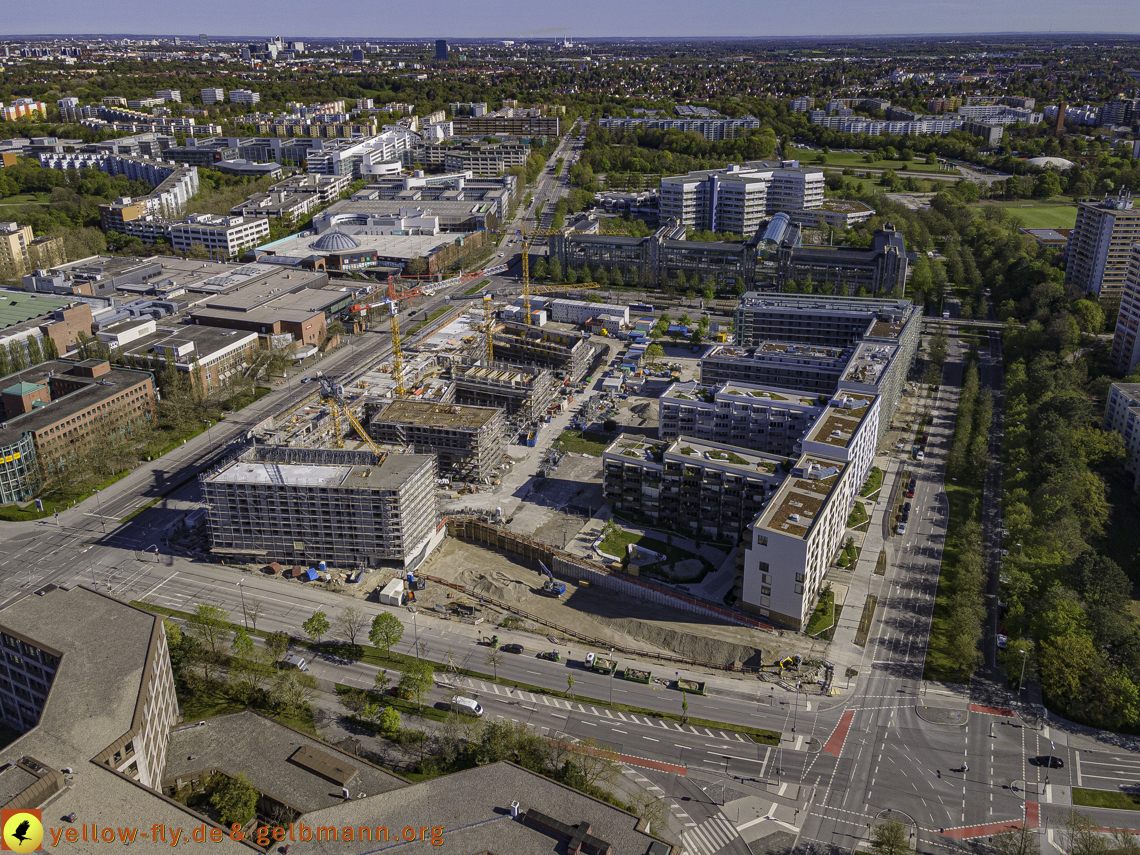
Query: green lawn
1058 213
211 701
855 160
21 199
617 539
823 618
475 289
1106 799
873 483
858 515
848 556
583 442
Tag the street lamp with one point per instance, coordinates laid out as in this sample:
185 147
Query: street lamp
416 627
99 500
209 439
244 613
796 715
612 677
1021 679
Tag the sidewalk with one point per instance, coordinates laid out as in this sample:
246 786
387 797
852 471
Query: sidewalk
843 651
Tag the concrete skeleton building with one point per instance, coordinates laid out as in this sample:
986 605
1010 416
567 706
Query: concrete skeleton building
566 354
348 508
1100 243
468 442
522 392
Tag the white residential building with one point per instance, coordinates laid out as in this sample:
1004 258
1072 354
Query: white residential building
738 198
173 95
213 95
794 539
1122 415
244 96
223 237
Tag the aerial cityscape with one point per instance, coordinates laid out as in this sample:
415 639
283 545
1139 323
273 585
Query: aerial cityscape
763 404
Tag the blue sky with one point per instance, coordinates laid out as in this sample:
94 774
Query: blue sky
499 18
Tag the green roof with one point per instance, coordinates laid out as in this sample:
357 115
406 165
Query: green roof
17 307
22 388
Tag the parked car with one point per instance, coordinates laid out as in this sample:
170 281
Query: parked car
921 456
1002 641
512 648
296 661
902 527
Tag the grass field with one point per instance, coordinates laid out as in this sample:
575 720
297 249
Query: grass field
1106 799
617 539
1059 213
583 442
21 199
855 160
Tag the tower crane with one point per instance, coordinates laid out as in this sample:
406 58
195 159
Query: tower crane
333 394
392 302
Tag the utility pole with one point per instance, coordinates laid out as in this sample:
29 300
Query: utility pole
244 614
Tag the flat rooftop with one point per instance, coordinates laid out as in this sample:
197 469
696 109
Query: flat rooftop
638 447
102 646
845 412
289 765
206 340
471 811
750 462
796 505
386 246
18 307
764 393
422 413
869 363
91 394
389 475
281 288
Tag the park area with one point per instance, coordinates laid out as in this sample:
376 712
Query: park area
857 160
1056 213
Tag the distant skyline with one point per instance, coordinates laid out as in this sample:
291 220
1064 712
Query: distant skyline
585 18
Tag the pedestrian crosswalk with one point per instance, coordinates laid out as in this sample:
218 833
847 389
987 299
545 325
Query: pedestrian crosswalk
709 837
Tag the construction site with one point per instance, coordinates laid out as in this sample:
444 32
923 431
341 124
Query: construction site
501 582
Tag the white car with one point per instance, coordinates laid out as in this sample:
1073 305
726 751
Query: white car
921 455
1002 642
902 528
1004 553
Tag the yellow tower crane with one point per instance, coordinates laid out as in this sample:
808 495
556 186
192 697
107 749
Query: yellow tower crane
333 394
393 305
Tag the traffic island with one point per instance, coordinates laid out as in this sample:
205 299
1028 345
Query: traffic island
946 716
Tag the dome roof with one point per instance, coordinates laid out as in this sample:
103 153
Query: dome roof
335 240
1055 162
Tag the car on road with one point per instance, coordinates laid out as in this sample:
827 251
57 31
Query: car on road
1002 641
906 509
307 380
512 648
902 527
1004 553
921 456
296 661
1049 761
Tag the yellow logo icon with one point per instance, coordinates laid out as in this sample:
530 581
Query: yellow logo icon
23 831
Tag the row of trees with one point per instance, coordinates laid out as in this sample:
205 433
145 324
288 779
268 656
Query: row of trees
1068 600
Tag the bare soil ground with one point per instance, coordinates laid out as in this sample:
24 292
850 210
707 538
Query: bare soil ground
599 613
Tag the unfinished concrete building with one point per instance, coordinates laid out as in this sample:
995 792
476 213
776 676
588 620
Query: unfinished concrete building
523 392
468 442
566 354
299 505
